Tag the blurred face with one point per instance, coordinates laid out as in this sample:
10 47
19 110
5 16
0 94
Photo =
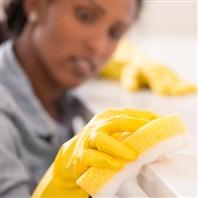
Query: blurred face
74 38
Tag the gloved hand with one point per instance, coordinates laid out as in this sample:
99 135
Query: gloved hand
94 146
161 136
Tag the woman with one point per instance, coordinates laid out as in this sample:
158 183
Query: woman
54 46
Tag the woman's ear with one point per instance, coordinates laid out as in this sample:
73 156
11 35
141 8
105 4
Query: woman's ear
35 10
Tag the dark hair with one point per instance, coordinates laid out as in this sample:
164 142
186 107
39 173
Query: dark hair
16 19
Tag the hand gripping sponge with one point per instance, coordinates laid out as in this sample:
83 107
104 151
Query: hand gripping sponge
156 138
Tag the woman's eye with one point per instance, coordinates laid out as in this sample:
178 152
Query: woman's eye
115 34
85 15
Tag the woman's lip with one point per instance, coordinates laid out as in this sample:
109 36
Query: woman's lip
84 67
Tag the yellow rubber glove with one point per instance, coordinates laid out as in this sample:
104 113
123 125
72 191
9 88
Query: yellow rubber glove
158 78
161 136
136 71
94 146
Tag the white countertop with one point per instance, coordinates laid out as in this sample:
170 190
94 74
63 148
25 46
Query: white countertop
174 177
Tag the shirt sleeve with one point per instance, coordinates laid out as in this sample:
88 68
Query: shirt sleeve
14 178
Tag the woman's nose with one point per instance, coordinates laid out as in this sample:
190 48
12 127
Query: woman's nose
97 43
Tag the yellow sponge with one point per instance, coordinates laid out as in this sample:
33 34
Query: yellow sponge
146 137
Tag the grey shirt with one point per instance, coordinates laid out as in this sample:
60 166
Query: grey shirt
29 137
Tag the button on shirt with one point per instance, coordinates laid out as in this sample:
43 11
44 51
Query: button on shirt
30 138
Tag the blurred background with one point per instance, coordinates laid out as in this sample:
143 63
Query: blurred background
167 30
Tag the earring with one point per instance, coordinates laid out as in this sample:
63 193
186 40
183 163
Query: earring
33 17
